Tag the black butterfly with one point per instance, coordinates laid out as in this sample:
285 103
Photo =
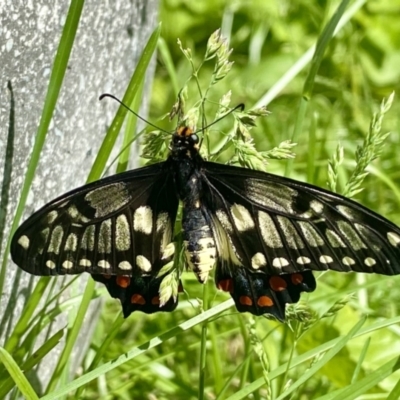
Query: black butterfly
263 233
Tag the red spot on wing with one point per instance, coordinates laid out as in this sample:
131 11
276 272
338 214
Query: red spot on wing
155 300
245 300
296 279
226 285
138 299
265 301
123 281
277 283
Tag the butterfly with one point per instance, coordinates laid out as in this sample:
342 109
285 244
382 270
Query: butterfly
263 234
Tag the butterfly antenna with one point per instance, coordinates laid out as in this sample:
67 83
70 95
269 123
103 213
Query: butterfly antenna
239 106
130 109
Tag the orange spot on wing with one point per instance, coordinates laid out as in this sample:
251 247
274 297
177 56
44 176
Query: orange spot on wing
277 283
265 301
138 299
155 300
296 279
226 285
123 281
245 300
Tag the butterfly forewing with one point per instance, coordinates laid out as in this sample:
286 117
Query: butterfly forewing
115 226
278 225
118 229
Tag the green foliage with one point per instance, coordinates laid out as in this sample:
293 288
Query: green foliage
205 349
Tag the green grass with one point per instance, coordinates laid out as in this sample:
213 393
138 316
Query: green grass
205 349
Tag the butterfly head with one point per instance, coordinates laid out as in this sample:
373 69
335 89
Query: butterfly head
185 141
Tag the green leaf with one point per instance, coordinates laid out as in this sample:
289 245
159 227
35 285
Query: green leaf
17 375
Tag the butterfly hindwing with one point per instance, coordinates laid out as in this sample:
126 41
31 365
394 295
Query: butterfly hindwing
118 229
259 293
139 292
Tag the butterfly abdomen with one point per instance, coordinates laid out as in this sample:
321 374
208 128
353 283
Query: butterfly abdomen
198 239
200 249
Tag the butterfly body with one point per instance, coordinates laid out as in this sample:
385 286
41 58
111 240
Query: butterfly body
263 234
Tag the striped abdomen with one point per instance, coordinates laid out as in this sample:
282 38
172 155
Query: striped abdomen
199 243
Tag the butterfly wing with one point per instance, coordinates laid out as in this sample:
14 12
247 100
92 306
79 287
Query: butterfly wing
118 229
274 227
260 293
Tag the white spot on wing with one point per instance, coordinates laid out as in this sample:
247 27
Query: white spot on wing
348 261
394 238
269 231
242 218
271 194
224 220
50 264
369 262
56 239
325 259
108 199
316 206
125 265
24 241
308 214
351 235
292 237
75 215
163 226
143 263
87 242
73 212
346 211
311 235
85 263
45 234
122 233
258 261
334 239
67 264
104 264
162 221
51 216
303 260
279 262
71 243
365 233
104 241
226 250
143 220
